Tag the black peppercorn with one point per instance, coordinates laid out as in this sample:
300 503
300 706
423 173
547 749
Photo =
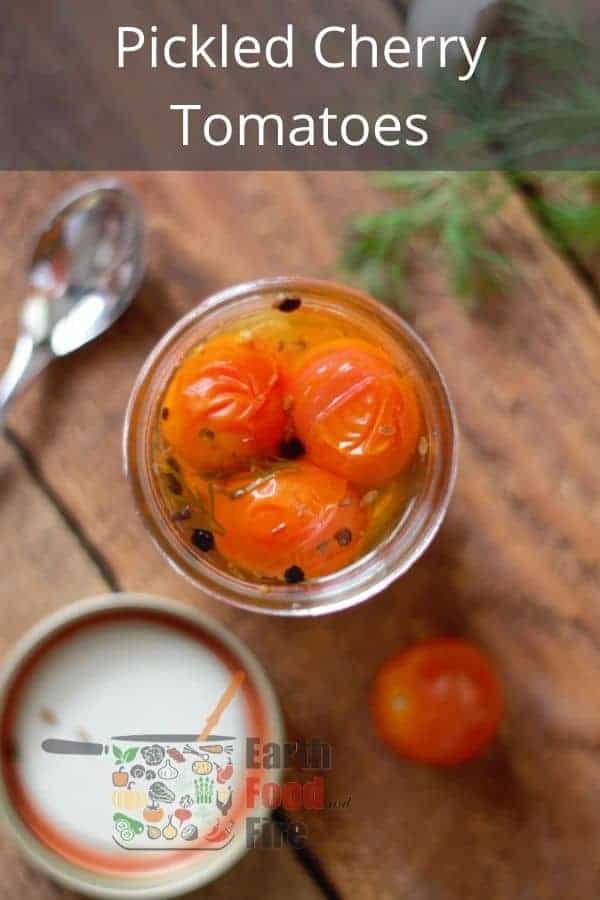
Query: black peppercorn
289 304
343 537
292 448
293 575
202 539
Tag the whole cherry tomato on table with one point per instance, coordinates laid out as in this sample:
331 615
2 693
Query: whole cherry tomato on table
439 702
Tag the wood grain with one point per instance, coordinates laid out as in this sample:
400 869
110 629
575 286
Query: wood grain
516 566
44 563
266 871
46 545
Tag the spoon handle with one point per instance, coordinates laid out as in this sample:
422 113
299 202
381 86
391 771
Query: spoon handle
28 360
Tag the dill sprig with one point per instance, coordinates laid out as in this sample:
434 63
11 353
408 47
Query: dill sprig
506 125
569 206
533 99
542 34
452 212
447 208
260 475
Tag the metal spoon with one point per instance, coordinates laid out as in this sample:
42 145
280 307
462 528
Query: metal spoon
85 270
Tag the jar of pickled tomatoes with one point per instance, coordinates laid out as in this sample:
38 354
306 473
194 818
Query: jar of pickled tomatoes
291 446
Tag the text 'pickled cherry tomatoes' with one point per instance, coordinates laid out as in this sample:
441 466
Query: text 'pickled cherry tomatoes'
439 702
356 414
296 522
224 406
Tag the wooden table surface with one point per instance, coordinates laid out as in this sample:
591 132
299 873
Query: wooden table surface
516 565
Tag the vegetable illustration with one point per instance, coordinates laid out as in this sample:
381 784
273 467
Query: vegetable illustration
189 833
123 757
153 755
159 791
177 755
168 772
153 832
186 801
202 767
225 772
150 774
218 833
223 793
224 800
209 748
189 749
153 812
137 771
204 790
224 803
127 828
182 815
120 778
129 798
169 831
212 835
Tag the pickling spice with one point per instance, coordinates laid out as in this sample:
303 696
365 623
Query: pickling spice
289 304
292 448
294 575
343 537
204 540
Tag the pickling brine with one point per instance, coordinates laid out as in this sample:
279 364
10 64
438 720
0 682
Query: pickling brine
290 442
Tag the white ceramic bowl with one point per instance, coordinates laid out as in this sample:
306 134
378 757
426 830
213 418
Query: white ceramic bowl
80 667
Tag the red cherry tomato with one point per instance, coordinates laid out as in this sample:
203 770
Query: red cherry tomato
224 406
299 516
439 702
356 414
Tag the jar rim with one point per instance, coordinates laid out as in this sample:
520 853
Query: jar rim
370 573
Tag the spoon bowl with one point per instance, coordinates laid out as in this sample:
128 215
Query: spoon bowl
86 267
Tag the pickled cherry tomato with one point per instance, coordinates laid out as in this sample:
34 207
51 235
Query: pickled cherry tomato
356 414
224 406
297 518
439 702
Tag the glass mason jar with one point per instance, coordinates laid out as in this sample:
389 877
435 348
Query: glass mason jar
397 550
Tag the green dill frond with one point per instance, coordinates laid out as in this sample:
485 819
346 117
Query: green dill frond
498 119
447 208
545 35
